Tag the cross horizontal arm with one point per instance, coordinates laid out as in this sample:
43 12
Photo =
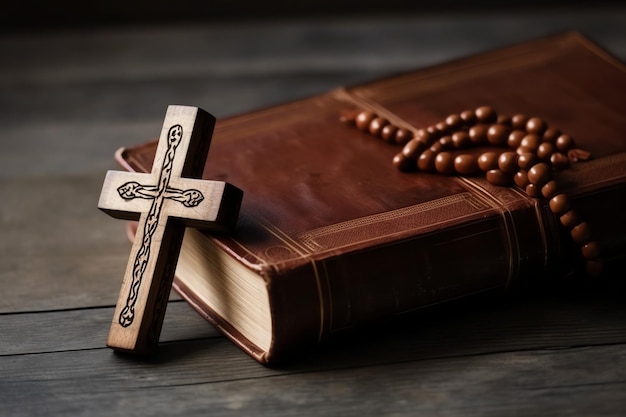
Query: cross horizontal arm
204 204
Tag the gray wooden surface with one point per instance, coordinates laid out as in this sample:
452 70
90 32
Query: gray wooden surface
69 99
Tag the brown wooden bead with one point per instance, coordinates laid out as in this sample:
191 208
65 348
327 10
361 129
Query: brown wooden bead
422 135
533 191
363 119
436 147
468 117
581 233
559 160
403 163
497 177
428 152
423 141
419 133
446 142
515 138
507 162
569 219
376 125
478 134
526 160
461 139
550 189
536 126
444 163
454 121
551 134
504 120
442 128
539 174
545 150
564 143
560 204
486 114
426 161
531 141
349 116
594 268
488 161
413 148
388 133
591 250
518 121
403 135
577 155
497 135
523 149
521 178
466 164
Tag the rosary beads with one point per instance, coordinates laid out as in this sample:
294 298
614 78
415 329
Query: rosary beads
534 151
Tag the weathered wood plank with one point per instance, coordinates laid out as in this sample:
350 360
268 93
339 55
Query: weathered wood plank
57 249
298 46
29 333
582 381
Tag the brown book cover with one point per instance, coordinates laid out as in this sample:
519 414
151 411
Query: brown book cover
331 235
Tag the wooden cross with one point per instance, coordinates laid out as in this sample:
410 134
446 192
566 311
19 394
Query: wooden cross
171 197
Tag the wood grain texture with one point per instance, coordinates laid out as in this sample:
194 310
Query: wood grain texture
37 332
579 381
42 266
69 99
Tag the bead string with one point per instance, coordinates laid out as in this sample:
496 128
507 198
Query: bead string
535 151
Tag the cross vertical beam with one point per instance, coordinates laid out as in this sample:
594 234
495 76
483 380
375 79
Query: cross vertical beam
164 202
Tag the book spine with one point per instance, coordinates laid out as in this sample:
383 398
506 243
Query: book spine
512 247
329 294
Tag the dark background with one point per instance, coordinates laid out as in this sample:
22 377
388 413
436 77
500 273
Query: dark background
43 14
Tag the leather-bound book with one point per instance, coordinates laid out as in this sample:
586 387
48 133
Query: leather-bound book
332 235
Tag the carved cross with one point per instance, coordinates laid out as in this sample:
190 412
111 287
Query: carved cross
171 197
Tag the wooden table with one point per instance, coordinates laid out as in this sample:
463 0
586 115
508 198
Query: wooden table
69 99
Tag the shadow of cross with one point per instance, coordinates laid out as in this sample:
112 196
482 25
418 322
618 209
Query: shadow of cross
164 202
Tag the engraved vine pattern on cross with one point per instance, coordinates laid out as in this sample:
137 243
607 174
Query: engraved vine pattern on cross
158 194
